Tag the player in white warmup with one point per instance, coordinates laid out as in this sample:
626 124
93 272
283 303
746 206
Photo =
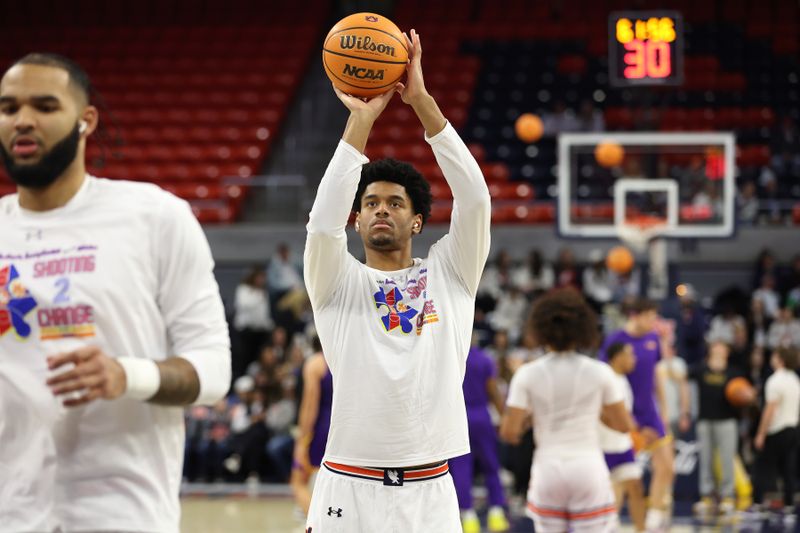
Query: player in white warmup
109 312
566 393
395 331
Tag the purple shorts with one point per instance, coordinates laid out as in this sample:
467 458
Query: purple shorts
613 460
651 419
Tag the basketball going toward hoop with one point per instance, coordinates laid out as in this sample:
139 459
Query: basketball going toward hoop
609 154
365 54
619 260
529 127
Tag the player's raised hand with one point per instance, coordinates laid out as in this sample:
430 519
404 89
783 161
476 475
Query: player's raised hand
414 88
367 109
92 375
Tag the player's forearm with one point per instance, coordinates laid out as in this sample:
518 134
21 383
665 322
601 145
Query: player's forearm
429 114
180 384
356 131
766 418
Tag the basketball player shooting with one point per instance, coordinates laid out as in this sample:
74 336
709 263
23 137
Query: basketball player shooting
395 331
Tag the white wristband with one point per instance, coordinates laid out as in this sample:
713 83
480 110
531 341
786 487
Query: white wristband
143 377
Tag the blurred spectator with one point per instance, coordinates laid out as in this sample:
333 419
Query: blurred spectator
207 433
626 286
724 327
765 265
758 323
784 331
716 428
690 327
481 329
590 118
597 281
790 282
280 341
747 203
499 347
560 120
285 279
279 417
709 198
266 370
534 276
252 320
768 295
509 314
497 277
248 433
672 372
567 273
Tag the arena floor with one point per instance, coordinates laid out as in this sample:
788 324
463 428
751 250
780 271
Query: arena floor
229 509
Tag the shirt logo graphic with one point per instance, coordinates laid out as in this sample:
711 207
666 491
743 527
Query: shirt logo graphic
15 302
331 512
399 314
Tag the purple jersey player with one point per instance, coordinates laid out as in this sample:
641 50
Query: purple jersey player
480 388
648 405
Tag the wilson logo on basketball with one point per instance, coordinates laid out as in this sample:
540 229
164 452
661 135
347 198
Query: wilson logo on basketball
363 73
350 42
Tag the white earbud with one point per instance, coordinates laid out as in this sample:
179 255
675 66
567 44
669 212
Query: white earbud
82 126
357 226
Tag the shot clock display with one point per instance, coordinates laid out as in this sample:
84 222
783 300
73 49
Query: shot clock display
645 48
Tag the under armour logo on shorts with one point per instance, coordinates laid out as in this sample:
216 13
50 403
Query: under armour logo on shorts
337 512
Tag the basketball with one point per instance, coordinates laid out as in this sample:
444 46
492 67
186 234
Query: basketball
739 392
619 260
529 127
609 154
365 54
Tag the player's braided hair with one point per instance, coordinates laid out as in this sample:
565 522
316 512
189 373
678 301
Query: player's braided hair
392 170
562 320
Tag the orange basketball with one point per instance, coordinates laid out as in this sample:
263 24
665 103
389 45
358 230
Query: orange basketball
365 54
739 392
619 260
529 127
609 154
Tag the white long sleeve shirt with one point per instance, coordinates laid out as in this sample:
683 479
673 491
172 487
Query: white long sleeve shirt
397 342
126 267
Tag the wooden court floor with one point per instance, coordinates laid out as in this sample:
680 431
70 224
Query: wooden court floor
276 514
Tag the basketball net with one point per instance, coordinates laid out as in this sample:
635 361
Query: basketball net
643 234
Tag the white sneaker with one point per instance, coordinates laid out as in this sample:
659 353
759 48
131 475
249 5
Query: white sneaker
656 521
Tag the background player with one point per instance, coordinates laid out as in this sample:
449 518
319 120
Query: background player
133 315
566 393
396 331
480 388
313 424
649 406
626 473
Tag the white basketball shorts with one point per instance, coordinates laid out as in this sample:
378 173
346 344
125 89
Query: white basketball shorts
349 499
571 494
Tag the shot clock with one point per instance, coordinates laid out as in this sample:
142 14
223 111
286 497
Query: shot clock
645 48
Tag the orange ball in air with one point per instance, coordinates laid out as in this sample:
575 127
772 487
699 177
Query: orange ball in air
609 154
619 260
739 392
529 127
